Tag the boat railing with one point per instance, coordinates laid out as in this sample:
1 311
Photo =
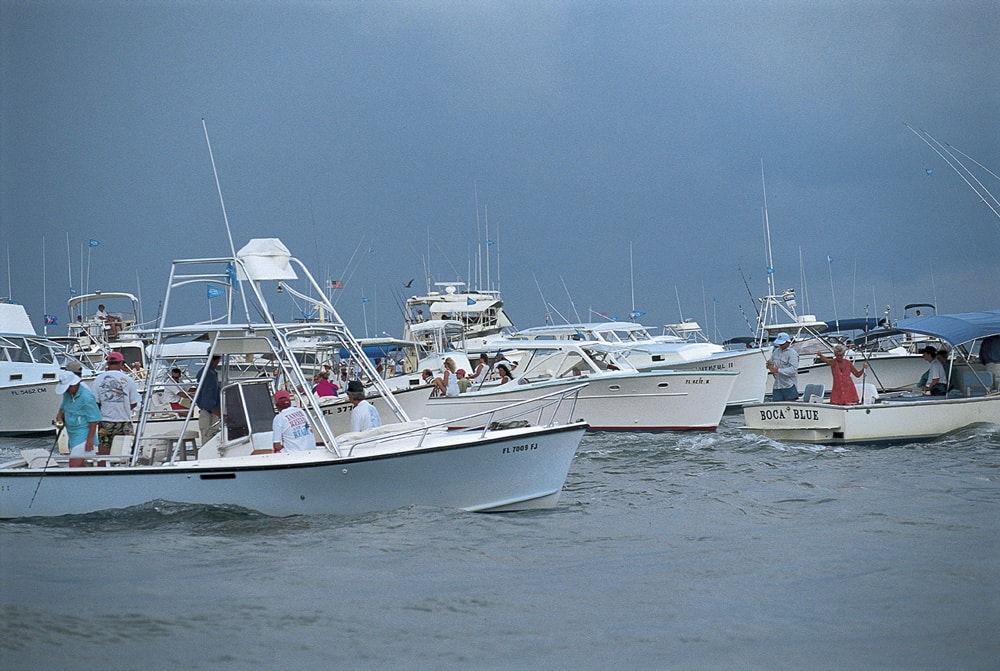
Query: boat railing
544 409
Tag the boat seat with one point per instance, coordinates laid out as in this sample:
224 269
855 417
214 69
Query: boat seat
867 392
977 383
813 393
39 458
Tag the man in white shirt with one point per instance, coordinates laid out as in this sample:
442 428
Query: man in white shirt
118 396
364 416
290 429
937 379
176 393
110 321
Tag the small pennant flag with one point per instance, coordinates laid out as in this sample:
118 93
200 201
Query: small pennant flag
635 314
489 243
469 301
770 271
95 243
215 292
231 272
51 320
829 259
334 284
72 291
364 300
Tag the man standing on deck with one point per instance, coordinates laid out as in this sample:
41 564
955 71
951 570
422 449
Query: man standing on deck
80 415
118 396
784 365
207 400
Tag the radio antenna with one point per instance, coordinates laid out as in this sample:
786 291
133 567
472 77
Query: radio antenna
225 218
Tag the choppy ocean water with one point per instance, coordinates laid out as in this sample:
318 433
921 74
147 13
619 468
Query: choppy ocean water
667 551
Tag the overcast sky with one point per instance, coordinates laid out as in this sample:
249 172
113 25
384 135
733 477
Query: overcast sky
363 134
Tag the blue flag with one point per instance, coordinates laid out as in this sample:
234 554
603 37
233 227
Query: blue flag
635 314
231 272
94 243
51 320
770 271
469 301
364 300
215 292
72 291
829 259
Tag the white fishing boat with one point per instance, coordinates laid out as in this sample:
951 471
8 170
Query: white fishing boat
433 341
92 334
647 352
480 312
617 397
900 416
29 371
403 462
892 365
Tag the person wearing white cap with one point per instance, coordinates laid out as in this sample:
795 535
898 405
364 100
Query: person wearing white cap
79 414
784 365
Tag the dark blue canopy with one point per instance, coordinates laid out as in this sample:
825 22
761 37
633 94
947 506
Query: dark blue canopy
854 324
956 328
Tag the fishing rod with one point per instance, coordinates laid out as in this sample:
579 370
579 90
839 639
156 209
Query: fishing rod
48 459
753 302
545 303
571 303
867 359
951 160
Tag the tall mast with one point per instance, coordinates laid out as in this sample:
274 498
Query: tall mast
631 275
767 235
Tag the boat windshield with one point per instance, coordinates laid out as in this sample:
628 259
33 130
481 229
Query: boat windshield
26 350
248 409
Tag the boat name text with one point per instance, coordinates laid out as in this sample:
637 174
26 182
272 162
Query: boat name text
795 413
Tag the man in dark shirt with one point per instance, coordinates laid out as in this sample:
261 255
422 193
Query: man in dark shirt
207 400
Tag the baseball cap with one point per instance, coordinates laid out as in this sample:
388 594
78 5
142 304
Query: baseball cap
116 357
282 396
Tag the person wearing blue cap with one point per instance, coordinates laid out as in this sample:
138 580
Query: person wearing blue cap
784 365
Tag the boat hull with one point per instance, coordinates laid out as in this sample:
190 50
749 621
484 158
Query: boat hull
750 386
654 401
891 421
27 409
514 469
